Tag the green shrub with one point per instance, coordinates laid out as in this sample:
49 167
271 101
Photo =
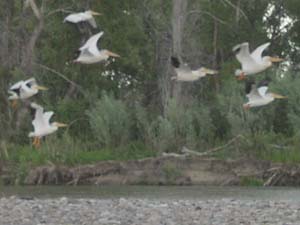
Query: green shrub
110 121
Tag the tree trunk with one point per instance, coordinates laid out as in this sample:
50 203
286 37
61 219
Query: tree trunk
178 21
28 55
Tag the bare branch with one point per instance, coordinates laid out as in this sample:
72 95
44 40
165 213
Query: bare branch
213 150
236 8
58 11
207 13
34 8
58 74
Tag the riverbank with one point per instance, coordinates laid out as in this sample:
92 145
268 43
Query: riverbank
164 170
131 211
167 170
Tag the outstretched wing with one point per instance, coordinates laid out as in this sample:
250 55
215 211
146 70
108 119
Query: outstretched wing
262 87
257 53
47 116
38 122
92 22
78 17
91 44
16 85
30 82
242 54
252 92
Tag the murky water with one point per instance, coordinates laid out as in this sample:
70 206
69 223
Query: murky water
153 192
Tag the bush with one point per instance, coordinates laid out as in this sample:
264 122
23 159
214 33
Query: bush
110 121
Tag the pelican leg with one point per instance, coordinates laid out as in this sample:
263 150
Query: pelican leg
246 107
34 141
242 76
38 144
14 103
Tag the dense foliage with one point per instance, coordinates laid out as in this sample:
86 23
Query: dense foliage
130 108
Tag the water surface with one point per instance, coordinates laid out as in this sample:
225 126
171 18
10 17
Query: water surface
153 192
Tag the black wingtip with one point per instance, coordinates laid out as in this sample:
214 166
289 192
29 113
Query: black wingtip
264 82
175 62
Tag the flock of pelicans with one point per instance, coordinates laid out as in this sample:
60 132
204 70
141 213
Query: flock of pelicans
89 53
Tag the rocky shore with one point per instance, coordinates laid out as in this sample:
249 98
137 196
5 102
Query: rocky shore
132 211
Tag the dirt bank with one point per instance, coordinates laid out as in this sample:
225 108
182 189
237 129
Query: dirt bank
154 171
169 170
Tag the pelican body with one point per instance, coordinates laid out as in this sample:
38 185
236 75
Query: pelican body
24 90
42 125
252 63
184 73
87 16
89 52
259 96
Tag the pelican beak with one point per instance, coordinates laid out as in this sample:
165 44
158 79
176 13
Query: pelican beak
96 13
112 54
41 88
278 96
209 71
276 59
61 124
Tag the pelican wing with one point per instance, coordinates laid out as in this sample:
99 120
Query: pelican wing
92 22
263 87
243 55
78 17
86 53
47 116
91 44
30 82
253 94
39 122
257 53
16 86
262 90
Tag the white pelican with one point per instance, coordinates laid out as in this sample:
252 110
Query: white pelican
89 52
184 73
258 96
86 16
24 90
252 63
42 125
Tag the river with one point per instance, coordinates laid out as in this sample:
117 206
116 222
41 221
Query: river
154 192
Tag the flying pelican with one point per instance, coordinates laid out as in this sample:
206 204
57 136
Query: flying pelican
89 52
258 95
86 16
184 73
24 90
42 125
252 63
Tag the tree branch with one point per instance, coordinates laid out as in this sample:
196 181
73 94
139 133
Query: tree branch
207 13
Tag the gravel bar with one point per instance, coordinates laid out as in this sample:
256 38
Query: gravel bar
132 211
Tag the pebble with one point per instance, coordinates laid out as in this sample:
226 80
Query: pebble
132 211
